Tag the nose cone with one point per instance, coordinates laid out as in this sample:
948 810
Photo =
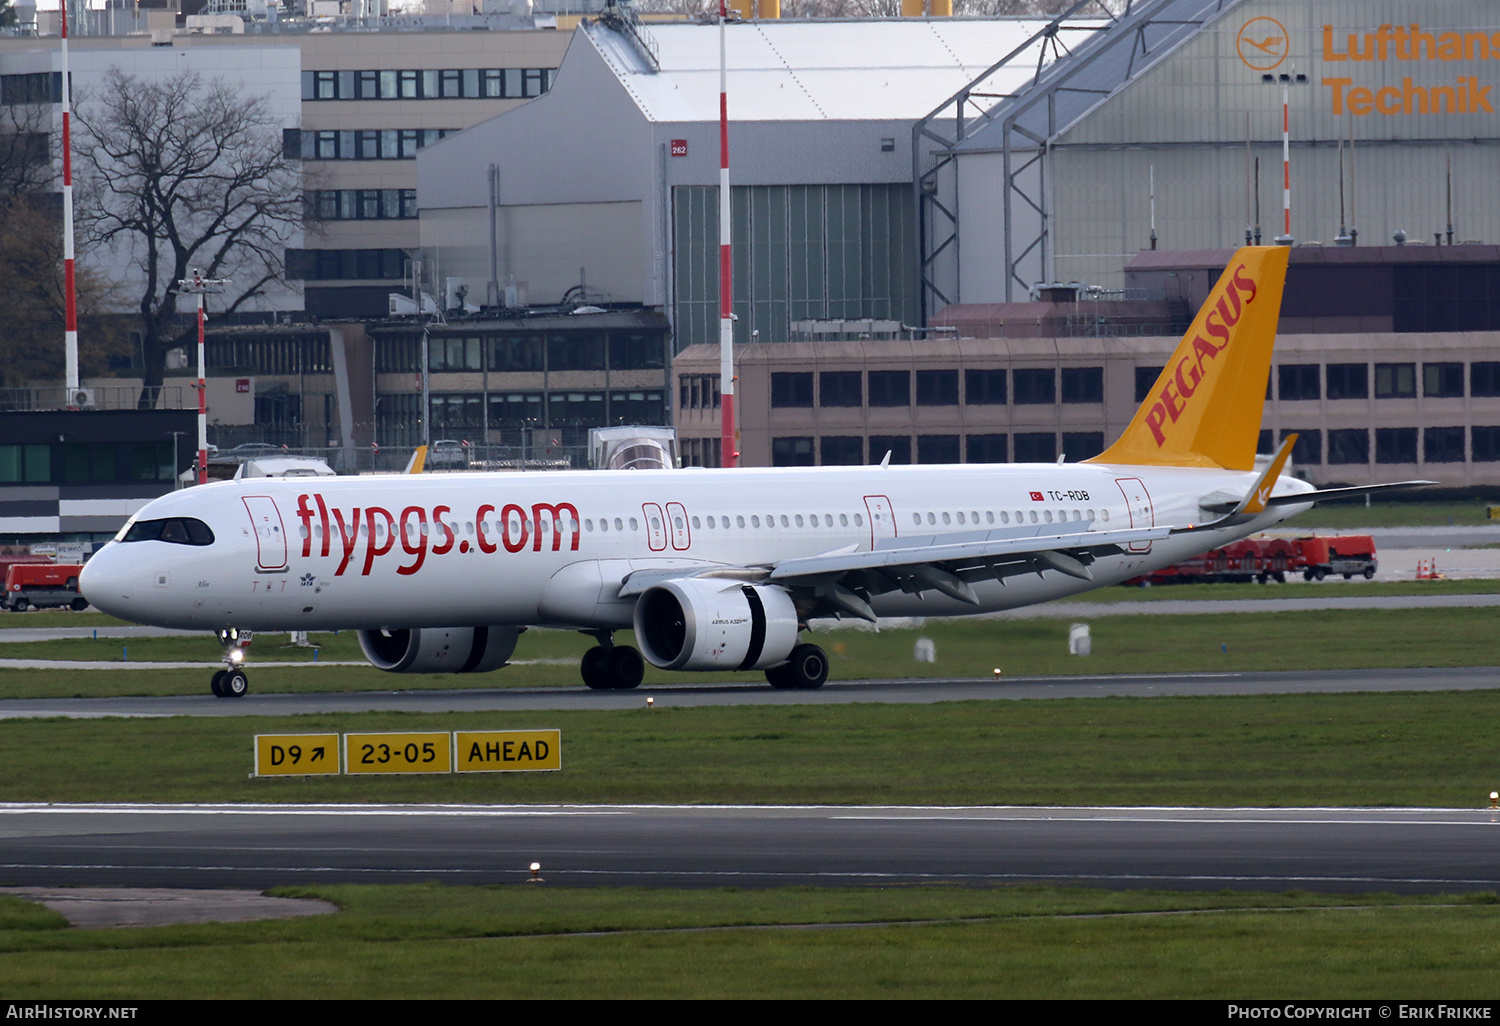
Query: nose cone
106 582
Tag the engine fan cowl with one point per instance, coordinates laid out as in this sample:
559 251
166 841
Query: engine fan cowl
439 649
702 623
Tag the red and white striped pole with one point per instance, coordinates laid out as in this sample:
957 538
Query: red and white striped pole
728 456
70 324
1286 164
202 391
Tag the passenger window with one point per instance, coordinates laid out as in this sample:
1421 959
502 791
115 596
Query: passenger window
741 521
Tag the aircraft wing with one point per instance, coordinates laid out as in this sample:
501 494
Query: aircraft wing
842 581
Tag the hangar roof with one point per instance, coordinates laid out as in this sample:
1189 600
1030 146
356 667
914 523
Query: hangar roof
893 69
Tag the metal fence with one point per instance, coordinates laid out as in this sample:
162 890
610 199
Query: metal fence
99 397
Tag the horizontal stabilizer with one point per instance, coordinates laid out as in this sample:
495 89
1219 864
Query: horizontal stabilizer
1323 495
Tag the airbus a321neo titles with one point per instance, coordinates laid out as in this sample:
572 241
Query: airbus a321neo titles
719 569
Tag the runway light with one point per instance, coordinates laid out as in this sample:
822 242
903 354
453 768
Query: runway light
1495 799
997 673
536 870
650 702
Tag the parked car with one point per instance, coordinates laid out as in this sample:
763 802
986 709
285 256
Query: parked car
448 452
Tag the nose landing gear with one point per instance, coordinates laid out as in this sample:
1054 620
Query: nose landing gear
232 681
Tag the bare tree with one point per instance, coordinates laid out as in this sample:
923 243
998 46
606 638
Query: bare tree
31 252
178 174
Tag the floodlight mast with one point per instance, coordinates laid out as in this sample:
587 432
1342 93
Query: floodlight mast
728 456
199 286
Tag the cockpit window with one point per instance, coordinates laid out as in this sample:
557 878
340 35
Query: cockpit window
178 531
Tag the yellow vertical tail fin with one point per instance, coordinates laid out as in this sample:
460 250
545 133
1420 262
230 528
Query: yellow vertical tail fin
1205 408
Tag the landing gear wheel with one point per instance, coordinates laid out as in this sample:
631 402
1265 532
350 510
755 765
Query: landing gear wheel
780 677
626 668
807 668
235 684
216 684
595 669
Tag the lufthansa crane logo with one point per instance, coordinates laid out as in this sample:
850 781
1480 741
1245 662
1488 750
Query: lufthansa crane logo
1263 43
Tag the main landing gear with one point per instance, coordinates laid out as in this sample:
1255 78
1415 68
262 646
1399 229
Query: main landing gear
232 682
611 667
805 670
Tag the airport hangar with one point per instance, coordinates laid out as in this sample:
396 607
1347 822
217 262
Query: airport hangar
862 226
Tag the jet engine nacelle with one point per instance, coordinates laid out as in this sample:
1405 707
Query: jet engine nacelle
439 649
702 623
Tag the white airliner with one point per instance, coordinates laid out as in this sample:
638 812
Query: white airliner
718 569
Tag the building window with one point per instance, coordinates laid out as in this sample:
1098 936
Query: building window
1443 380
89 461
1308 452
791 452
575 352
1036 447
1350 445
454 354
1082 445
637 351
1486 442
899 446
792 389
345 264
1395 381
517 354
841 450
1035 386
1396 445
637 408
699 391
515 409
1443 444
987 449
1348 380
1484 379
1083 385
840 388
1145 378
984 387
25 464
937 388
938 448
360 204
575 409
890 388
1297 381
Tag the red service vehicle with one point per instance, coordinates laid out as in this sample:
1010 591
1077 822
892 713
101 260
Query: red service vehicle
1265 559
43 585
1346 554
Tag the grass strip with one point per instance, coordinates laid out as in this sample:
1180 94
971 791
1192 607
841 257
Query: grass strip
430 941
1313 639
1397 749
